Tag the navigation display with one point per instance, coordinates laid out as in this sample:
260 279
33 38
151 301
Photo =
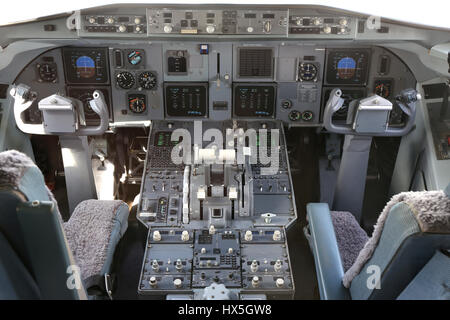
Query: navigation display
347 66
86 65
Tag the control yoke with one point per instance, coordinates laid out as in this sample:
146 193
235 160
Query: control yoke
61 115
371 116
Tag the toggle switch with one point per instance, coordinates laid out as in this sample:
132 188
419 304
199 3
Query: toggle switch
277 266
255 282
155 265
254 266
179 265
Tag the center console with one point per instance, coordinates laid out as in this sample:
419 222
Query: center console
220 217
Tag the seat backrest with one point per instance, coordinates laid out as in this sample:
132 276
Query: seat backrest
413 231
15 280
31 225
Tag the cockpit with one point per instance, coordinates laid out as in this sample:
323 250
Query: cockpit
224 152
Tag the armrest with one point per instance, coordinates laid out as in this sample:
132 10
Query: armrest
327 258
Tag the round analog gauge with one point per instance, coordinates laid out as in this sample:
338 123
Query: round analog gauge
383 88
286 104
136 103
47 72
125 80
147 80
295 115
135 57
307 116
307 72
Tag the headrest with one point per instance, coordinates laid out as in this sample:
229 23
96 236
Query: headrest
431 210
13 165
18 172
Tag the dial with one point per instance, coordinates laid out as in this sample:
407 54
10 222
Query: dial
383 88
295 115
147 80
286 104
47 72
135 57
307 116
307 72
137 103
125 80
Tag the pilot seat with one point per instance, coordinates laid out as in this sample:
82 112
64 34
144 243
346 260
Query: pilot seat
42 257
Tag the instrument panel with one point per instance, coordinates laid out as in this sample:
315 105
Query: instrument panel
222 63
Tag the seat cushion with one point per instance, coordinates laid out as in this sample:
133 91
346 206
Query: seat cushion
350 237
93 231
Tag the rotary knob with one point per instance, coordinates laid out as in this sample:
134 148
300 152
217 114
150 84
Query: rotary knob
277 235
298 22
177 283
185 236
110 20
153 282
91 20
156 236
316 21
138 28
248 235
343 22
327 29
122 28
210 29
279 283
137 20
249 29
167 28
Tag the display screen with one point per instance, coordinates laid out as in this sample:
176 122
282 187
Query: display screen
86 65
254 100
348 94
347 66
186 100
84 94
